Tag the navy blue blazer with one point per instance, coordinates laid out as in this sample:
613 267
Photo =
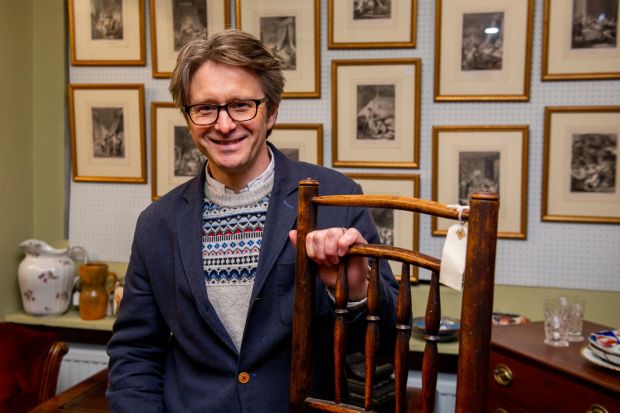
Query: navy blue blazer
170 352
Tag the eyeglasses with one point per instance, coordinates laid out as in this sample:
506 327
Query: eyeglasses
204 114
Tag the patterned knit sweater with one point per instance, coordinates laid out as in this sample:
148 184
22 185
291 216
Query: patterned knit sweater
232 231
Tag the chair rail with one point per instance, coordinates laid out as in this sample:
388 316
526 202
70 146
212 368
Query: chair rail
393 201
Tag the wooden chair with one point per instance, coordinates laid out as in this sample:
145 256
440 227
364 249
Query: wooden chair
476 312
29 366
51 369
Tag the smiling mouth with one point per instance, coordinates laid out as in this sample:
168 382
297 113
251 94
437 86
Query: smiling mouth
227 141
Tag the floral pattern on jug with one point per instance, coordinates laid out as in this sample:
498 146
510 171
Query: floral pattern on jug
47 277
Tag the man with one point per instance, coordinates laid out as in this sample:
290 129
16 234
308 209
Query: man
206 318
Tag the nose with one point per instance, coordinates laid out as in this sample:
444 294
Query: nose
224 123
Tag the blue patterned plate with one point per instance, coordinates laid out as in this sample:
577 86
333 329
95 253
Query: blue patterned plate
607 341
448 328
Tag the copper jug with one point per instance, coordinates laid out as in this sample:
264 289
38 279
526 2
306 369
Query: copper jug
96 285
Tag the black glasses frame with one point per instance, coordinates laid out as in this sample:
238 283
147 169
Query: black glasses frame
257 102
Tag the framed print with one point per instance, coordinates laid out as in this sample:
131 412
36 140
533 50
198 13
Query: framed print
580 40
483 50
174 158
581 178
107 133
291 29
175 22
299 141
371 24
467 159
107 32
396 228
376 113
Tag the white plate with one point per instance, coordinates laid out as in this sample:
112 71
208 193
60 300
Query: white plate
607 357
587 353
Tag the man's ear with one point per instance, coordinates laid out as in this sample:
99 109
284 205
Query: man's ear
187 119
273 115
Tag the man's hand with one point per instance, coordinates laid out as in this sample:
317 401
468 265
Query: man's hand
326 247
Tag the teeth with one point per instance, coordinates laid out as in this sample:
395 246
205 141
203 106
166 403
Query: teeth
228 142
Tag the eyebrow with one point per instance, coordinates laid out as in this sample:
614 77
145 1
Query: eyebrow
207 101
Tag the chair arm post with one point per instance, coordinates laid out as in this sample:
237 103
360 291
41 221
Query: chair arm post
477 307
304 299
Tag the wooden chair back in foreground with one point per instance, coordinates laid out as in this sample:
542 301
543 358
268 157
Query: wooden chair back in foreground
29 366
476 311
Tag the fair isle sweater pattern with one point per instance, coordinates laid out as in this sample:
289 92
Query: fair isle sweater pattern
232 234
231 239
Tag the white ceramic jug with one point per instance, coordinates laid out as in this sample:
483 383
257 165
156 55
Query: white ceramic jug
47 276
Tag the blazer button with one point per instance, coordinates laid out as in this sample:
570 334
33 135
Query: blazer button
244 377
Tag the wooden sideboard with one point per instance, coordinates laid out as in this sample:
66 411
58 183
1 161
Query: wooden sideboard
536 377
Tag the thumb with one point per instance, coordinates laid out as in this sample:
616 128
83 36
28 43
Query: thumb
292 235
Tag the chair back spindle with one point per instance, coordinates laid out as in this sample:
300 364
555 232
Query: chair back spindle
372 332
432 320
403 334
340 331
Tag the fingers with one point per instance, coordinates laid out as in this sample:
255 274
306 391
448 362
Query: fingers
292 235
351 236
322 245
326 246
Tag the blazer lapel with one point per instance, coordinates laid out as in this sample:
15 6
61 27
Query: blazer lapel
188 227
281 217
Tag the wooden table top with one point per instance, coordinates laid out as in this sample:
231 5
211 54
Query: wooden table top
525 341
87 396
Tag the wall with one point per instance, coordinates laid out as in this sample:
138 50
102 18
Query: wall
16 179
601 307
32 136
49 122
554 254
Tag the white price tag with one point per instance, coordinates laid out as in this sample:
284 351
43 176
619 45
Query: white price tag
453 257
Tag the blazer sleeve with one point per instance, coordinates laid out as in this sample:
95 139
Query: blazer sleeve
135 380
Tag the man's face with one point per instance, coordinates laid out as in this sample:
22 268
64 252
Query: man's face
237 151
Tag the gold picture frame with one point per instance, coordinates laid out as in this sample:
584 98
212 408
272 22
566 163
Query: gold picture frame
292 30
476 59
576 45
375 26
107 133
581 178
299 141
110 34
174 156
166 36
493 158
376 113
391 222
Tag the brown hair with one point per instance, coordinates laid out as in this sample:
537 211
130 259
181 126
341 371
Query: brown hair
232 47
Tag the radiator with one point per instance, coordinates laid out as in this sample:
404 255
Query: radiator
81 362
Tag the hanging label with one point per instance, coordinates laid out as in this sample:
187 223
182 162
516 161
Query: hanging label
453 257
